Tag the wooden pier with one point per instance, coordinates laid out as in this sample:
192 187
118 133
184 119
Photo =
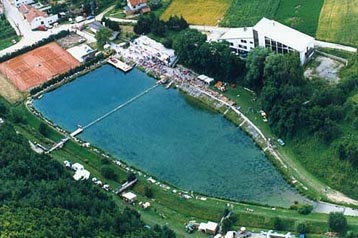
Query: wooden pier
119 64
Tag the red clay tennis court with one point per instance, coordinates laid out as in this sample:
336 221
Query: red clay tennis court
38 66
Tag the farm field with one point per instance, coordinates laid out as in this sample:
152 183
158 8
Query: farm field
198 12
7 34
249 12
301 15
338 22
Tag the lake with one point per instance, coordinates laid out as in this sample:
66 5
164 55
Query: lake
164 135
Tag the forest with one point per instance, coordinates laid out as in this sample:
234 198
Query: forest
39 198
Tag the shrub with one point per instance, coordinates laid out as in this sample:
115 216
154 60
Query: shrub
337 222
302 228
305 209
108 172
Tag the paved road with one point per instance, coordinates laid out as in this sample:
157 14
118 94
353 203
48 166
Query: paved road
334 46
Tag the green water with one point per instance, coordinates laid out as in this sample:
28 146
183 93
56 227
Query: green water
163 135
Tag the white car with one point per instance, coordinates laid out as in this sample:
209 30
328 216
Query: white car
281 142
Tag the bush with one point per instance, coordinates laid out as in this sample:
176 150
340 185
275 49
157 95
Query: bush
305 209
43 129
277 223
302 228
148 192
108 172
337 222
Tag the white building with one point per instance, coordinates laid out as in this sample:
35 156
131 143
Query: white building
18 3
241 40
282 39
129 197
208 228
207 80
37 18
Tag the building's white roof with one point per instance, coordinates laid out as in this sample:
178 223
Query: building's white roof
235 33
205 78
81 174
283 34
79 51
129 196
210 226
77 166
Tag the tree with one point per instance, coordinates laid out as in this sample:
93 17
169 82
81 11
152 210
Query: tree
43 129
347 149
148 192
108 172
102 36
305 209
277 223
255 64
131 176
302 228
337 222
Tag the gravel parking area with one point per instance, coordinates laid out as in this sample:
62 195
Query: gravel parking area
71 40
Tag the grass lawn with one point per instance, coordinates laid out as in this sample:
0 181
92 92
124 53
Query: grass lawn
198 12
249 12
301 15
7 34
338 22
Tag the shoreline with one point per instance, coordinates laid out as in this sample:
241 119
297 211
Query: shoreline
251 130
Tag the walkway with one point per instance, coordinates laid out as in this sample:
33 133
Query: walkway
119 107
334 46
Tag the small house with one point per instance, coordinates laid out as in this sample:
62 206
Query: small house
207 80
208 228
129 197
37 18
136 6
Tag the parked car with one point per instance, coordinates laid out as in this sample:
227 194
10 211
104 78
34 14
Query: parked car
281 142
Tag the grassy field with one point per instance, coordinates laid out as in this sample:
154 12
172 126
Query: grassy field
338 22
301 15
9 91
249 12
7 34
198 12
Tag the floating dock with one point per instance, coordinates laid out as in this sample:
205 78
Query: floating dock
119 64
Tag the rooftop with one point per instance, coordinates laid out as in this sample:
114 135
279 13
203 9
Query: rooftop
129 196
31 13
137 2
284 34
234 33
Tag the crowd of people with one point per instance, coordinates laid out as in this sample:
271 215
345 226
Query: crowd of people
180 75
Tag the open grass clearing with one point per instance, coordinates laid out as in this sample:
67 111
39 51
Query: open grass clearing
301 15
248 12
338 22
9 91
198 12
